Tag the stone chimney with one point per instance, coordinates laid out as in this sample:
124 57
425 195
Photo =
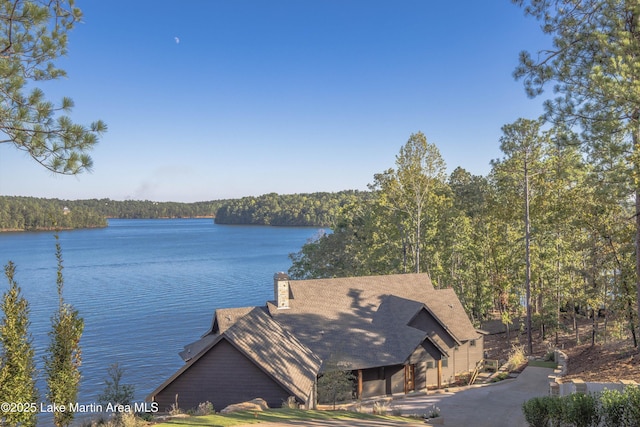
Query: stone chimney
281 290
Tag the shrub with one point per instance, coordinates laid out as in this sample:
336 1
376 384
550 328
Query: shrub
581 410
205 408
516 357
632 394
612 408
130 420
115 392
555 408
379 408
175 408
290 403
433 412
550 356
536 411
500 377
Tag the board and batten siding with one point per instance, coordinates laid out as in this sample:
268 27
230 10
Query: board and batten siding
222 376
382 381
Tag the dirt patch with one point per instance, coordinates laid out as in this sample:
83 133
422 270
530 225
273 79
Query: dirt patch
610 362
604 362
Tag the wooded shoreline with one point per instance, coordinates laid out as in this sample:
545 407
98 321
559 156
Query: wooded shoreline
305 210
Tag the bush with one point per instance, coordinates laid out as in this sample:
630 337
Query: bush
500 377
536 411
581 410
632 394
290 403
205 408
612 408
433 412
379 408
620 408
555 408
516 357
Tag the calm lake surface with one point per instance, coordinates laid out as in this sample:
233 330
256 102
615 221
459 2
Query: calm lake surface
145 288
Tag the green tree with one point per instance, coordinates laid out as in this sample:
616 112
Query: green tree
115 392
33 34
594 69
464 242
522 145
17 367
412 190
336 383
62 363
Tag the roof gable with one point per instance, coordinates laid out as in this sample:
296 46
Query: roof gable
275 351
365 319
263 341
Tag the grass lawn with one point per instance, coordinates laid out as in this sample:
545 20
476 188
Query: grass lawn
275 415
541 364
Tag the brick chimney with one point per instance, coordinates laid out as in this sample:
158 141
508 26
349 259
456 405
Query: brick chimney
281 290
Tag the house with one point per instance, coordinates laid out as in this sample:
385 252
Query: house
396 333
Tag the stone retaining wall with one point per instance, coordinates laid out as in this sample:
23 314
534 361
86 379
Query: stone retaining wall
557 387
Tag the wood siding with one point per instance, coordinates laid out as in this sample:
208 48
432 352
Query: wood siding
461 360
222 376
427 323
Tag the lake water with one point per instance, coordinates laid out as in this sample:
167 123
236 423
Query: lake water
145 288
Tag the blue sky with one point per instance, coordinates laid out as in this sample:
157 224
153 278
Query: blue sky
220 99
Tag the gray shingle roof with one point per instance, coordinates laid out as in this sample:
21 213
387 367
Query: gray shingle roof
276 351
363 320
263 340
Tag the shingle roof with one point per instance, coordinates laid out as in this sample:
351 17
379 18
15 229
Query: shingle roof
262 340
363 320
223 318
276 351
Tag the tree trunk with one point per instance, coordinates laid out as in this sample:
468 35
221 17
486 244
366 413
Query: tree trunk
637 248
636 149
418 230
527 238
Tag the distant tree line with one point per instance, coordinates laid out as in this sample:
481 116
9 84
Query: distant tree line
31 213
146 209
313 209
19 213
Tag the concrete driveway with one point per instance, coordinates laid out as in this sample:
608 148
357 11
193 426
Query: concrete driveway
493 405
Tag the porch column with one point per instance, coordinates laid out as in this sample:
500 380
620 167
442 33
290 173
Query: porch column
439 373
359 383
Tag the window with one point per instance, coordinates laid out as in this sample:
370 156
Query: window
472 343
430 364
445 362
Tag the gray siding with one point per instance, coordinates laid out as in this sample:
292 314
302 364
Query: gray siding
222 376
460 360
373 382
382 381
427 323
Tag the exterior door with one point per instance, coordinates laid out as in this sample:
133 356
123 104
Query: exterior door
409 378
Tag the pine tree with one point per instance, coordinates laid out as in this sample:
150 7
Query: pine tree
593 68
64 356
33 33
17 367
